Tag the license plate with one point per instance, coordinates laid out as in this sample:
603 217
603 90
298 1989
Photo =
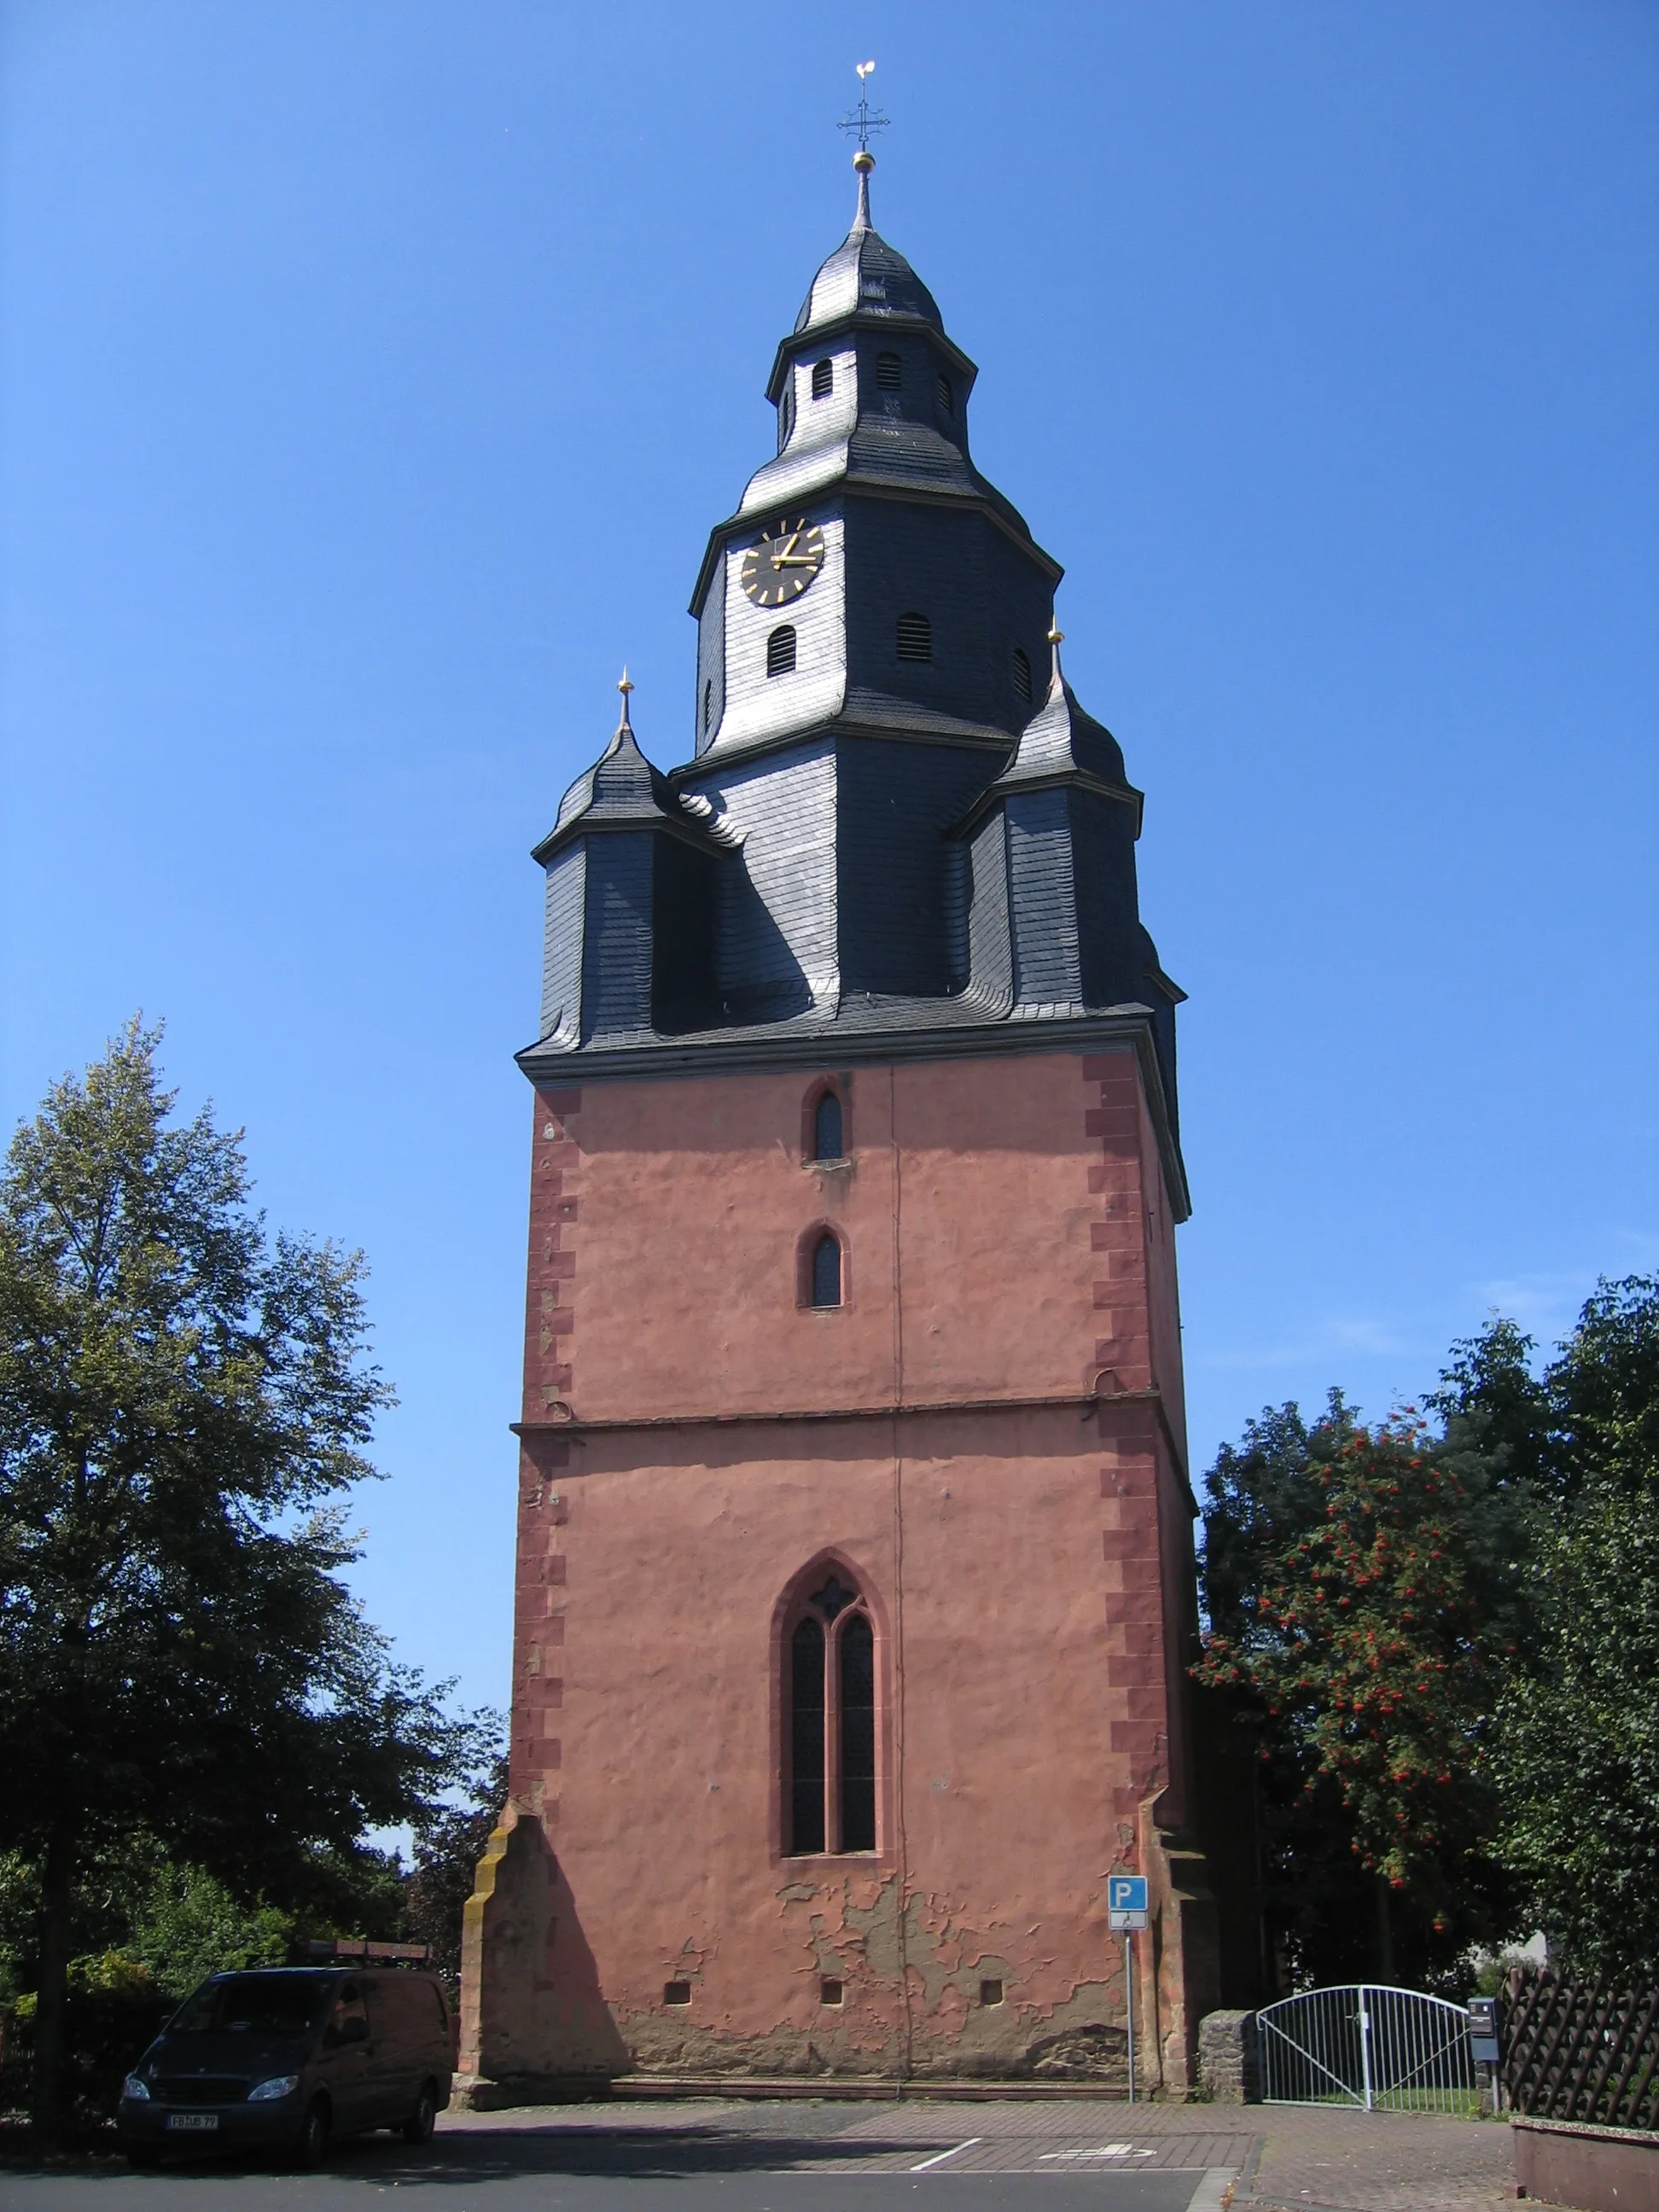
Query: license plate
191 2124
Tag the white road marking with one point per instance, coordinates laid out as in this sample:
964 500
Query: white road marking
940 2157
1106 2150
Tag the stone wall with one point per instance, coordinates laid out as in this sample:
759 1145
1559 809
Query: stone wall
1227 2069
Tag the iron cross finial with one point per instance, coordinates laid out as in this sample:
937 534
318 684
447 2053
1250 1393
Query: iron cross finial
864 118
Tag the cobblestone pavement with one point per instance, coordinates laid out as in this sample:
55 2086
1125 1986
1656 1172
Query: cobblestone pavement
1311 2158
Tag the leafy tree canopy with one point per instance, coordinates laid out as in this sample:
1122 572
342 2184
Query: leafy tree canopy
1578 1740
184 1401
1362 1587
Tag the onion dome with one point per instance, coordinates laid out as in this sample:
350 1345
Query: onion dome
865 276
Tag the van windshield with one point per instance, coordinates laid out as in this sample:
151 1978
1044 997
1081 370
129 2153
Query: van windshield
254 2004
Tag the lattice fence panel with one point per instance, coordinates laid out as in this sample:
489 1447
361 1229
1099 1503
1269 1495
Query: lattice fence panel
1575 2050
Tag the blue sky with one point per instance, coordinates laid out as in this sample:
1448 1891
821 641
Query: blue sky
371 374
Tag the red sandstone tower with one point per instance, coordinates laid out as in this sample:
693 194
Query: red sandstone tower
855 1588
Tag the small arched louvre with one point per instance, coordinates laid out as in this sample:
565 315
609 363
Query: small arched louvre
707 704
1022 674
780 650
947 398
827 1129
890 373
914 637
826 1270
823 379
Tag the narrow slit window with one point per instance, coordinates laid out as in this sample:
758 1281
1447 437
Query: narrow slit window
916 637
676 1992
856 1668
806 1687
890 375
826 1272
826 1129
1022 673
947 398
780 651
823 379
708 704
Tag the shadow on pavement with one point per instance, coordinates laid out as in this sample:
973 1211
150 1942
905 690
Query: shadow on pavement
499 2154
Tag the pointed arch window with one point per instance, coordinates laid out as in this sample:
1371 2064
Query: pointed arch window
890 373
827 1134
826 1270
1022 674
916 637
830 1789
823 379
780 650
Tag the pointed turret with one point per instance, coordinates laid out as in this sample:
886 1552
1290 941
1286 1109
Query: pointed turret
623 845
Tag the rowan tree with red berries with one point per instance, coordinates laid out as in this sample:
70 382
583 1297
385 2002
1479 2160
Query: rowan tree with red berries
1361 1587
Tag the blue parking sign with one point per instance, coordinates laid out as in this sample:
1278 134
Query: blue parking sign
1125 1893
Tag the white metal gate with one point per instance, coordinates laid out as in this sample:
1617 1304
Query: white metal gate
1367 2045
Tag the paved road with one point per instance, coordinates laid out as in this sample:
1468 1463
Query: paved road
776 2158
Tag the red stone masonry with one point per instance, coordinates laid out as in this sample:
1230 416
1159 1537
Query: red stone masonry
536 1753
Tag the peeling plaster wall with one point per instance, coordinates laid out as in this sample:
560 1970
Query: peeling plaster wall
1028 1568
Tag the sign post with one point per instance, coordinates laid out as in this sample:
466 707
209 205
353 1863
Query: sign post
1126 1909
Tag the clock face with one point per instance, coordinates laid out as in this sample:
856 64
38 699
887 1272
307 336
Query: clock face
779 567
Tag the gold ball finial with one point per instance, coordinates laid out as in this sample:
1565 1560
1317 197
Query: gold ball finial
625 683
864 161
1056 636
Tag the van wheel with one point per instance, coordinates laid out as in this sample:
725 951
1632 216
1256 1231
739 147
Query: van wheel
417 2127
314 2130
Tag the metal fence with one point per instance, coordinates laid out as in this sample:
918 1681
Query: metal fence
1369 2046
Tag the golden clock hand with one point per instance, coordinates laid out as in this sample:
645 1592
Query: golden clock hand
778 559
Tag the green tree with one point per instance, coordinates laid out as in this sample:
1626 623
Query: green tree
1578 1744
449 1846
1361 1591
183 1399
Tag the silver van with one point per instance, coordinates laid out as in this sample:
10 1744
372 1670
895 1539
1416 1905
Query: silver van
287 2058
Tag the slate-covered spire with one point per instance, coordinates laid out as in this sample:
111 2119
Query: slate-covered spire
892 831
1069 819
625 849
1062 744
621 790
865 273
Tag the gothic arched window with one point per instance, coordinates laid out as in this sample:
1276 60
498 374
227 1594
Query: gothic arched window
827 1129
780 650
890 373
826 1271
1022 673
916 637
806 1687
831 1794
823 379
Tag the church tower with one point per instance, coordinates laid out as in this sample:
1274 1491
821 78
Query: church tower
855 1592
